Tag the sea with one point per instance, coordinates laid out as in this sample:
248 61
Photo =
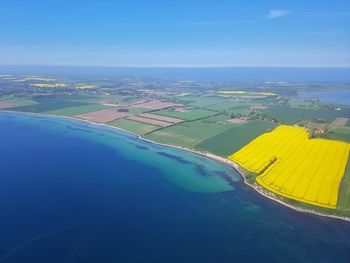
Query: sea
72 191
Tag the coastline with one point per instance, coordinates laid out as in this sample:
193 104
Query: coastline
205 154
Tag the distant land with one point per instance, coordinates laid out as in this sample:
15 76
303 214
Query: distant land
293 74
213 118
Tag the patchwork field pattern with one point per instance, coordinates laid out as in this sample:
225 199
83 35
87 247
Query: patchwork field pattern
238 136
153 104
149 121
292 165
187 113
188 134
134 126
102 116
161 118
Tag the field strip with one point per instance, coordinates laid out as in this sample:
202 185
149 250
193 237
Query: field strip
149 121
160 118
102 116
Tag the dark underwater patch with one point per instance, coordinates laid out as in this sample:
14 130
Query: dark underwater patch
141 147
174 157
201 170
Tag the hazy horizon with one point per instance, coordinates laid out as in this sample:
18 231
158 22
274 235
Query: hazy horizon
225 74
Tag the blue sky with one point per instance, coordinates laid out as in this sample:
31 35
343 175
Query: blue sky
175 33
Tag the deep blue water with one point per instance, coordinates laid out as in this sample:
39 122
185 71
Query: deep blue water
75 192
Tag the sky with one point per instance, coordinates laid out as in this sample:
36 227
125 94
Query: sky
177 33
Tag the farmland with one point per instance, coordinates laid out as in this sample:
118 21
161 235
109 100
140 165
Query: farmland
116 99
344 191
231 107
189 134
45 104
240 92
202 101
5 104
290 164
235 137
76 110
153 104
138 110
213 120
82 86
149 121
161 118
102 116
133 126
189 114
17 102
289 115
340 134
49 85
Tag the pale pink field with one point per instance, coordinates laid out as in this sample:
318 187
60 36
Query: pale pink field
236 120
103 116
161 118
149 121
4 104
154 104
340 122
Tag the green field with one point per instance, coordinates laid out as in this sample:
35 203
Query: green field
117 99
339 134
188 134
234 138
191 114
289 115
72 111
300 103
20 101
231 107
225 105
133 126
48 104
219 118
202 101
344 191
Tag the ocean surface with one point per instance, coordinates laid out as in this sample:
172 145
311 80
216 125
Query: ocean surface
77 192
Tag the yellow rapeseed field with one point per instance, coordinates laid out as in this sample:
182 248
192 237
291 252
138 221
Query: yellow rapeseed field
292 165
49 85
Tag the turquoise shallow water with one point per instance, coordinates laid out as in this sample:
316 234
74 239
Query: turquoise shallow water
76 192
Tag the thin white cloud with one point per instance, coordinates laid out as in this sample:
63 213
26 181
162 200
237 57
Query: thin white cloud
274 13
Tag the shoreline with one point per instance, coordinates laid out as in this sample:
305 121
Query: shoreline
220 159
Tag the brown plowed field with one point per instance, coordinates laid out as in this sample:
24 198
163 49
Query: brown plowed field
103 116
149 121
